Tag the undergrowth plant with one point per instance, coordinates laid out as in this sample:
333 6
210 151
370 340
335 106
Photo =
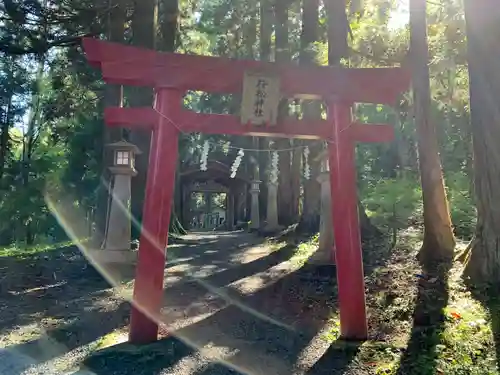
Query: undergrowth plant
391 203
394 204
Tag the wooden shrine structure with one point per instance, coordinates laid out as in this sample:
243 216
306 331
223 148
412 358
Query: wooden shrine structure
216 179
171 75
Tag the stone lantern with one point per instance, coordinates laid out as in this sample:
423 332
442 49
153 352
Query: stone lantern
254 208
272 224
325 255
118 228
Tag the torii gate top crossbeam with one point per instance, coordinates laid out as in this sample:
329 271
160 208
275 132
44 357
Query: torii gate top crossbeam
134 66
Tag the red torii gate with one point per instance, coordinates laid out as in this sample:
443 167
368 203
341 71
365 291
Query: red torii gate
172 75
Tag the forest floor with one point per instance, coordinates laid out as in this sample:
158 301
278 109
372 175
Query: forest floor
239 304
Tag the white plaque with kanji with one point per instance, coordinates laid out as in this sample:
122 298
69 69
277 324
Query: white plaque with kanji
261 96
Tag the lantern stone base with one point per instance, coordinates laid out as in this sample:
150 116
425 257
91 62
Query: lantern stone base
254 208
118 233
325 253
271 224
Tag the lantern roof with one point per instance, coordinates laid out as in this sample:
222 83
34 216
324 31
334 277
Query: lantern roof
124 145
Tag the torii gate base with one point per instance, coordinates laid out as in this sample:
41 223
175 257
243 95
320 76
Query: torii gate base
172 75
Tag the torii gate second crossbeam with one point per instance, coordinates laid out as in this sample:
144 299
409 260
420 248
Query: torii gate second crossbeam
171 75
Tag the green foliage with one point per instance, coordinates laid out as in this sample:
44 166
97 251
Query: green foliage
305 249
67 152
396 203
333 332
392 202
25 204
20 251
462 210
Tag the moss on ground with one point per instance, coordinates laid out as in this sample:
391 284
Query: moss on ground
20 251
424 323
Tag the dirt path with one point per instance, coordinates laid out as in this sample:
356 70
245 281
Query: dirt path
231 302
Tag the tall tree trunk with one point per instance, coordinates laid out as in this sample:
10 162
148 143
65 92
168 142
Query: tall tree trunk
266 30
285 196
439 241
309 221
337 31
405 144
250 40
4 133
29 140
113 97
483 32
168 16
295 175
144 27
169 20
283 56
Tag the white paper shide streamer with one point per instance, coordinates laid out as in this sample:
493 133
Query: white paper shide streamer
236 163
307 168
204 156
273 176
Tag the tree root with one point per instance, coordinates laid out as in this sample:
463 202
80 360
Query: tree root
176 226
464 256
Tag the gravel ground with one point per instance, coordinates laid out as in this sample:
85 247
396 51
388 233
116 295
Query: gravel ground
232 306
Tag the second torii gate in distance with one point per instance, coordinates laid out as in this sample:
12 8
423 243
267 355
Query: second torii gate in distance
171 75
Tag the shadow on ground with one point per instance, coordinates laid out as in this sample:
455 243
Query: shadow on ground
193 289
57 284
490 299
428 321
145 360
62 339
299 304
211 247
336 359
291 312
278 339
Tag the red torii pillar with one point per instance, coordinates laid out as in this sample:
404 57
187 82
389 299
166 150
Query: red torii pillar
173 74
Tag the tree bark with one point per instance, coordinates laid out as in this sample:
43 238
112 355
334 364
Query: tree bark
337 31
144 25
483 31
310 218
250 39
112 97
295 174
284 193
169 20
282 56
439 241
264 161
266 30
4 133
29 140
